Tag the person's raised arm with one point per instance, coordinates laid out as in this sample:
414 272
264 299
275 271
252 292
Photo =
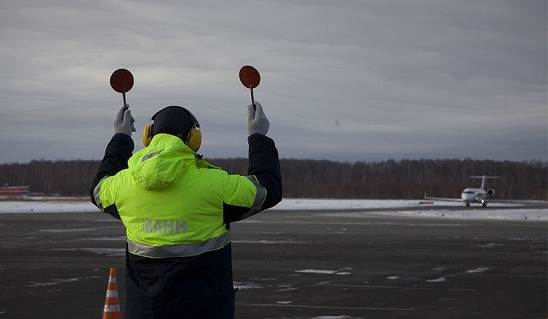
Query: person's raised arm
245 196
117 153
263 156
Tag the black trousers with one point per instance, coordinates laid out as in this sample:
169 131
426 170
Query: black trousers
186 287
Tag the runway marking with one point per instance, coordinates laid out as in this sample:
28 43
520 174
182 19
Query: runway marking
327 307
395 287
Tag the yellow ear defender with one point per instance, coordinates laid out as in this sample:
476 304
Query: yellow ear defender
147 134
194 140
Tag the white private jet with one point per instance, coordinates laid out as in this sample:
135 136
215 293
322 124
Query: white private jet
472 195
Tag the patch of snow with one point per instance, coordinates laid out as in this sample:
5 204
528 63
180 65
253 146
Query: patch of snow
502 214
392 277
285 302
324 204
47 207
316 271
286 204
323 272
81 206
477 270
246 285
440 279
53 282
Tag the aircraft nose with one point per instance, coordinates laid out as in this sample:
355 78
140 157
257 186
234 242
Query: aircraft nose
467 197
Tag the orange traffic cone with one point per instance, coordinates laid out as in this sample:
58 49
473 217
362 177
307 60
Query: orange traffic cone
112 304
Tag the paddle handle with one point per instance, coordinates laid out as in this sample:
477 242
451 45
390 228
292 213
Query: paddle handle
253 100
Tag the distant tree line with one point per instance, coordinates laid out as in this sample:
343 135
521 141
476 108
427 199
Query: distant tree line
325 179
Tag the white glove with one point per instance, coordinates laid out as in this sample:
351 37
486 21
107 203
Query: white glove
256 120
124 121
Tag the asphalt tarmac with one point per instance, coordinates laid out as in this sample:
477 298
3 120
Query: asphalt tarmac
297 264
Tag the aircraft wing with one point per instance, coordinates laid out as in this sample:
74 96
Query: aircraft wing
509 201
443 199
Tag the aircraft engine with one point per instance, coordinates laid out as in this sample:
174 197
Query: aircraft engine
491 192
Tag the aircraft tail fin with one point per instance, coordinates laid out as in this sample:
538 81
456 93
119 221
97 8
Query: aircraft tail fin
484 178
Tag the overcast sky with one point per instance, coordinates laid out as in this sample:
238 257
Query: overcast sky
342 80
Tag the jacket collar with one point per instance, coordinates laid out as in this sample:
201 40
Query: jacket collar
167 140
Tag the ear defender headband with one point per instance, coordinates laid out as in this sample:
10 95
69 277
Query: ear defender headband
174 120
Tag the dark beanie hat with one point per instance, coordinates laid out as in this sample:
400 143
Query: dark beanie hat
174 120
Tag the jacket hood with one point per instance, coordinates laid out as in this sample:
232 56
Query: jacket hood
158 165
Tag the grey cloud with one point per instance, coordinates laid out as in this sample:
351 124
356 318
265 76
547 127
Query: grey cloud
402 78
